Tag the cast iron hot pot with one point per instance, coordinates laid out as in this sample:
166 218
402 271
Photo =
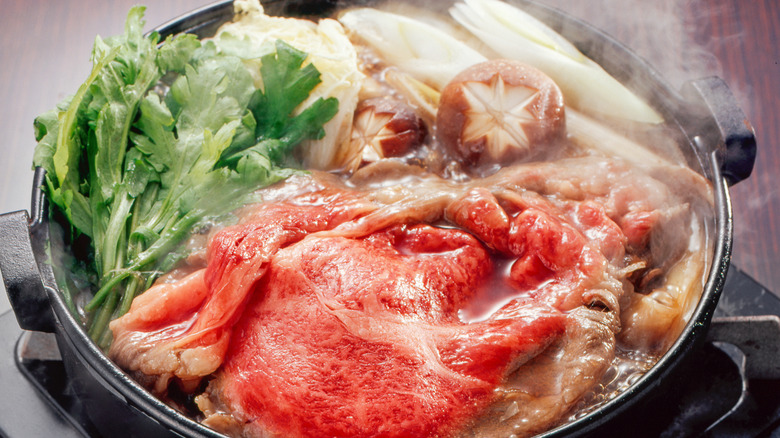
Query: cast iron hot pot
719 143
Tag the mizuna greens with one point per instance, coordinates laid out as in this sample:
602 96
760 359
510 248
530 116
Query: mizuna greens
161 137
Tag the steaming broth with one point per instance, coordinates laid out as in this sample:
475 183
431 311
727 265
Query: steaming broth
614 300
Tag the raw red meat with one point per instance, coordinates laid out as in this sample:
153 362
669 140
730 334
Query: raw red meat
553 261
334 311
361 337
182 330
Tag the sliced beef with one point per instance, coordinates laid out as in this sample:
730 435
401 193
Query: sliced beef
182 329
543 391
552 260
361 337
341 311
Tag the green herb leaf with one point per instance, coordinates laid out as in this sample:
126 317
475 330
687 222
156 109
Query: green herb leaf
160 138
286 85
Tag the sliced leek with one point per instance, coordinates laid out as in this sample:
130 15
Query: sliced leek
515 34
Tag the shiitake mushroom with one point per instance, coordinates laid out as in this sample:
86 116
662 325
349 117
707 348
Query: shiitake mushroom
384 127
499 111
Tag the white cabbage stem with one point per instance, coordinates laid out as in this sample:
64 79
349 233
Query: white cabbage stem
333 55
420 49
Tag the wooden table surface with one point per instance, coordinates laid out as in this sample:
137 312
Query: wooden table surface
45 48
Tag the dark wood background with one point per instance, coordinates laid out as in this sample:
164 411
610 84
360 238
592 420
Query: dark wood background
45 48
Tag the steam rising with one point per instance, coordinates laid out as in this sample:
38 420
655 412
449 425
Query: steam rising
667 33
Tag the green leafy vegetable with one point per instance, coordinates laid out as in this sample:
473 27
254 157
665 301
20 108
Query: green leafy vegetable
134 164
286 85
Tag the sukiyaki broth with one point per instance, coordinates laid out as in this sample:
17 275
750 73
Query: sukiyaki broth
399 222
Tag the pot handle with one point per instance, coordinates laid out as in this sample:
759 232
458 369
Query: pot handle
21 275
722 122
759 339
